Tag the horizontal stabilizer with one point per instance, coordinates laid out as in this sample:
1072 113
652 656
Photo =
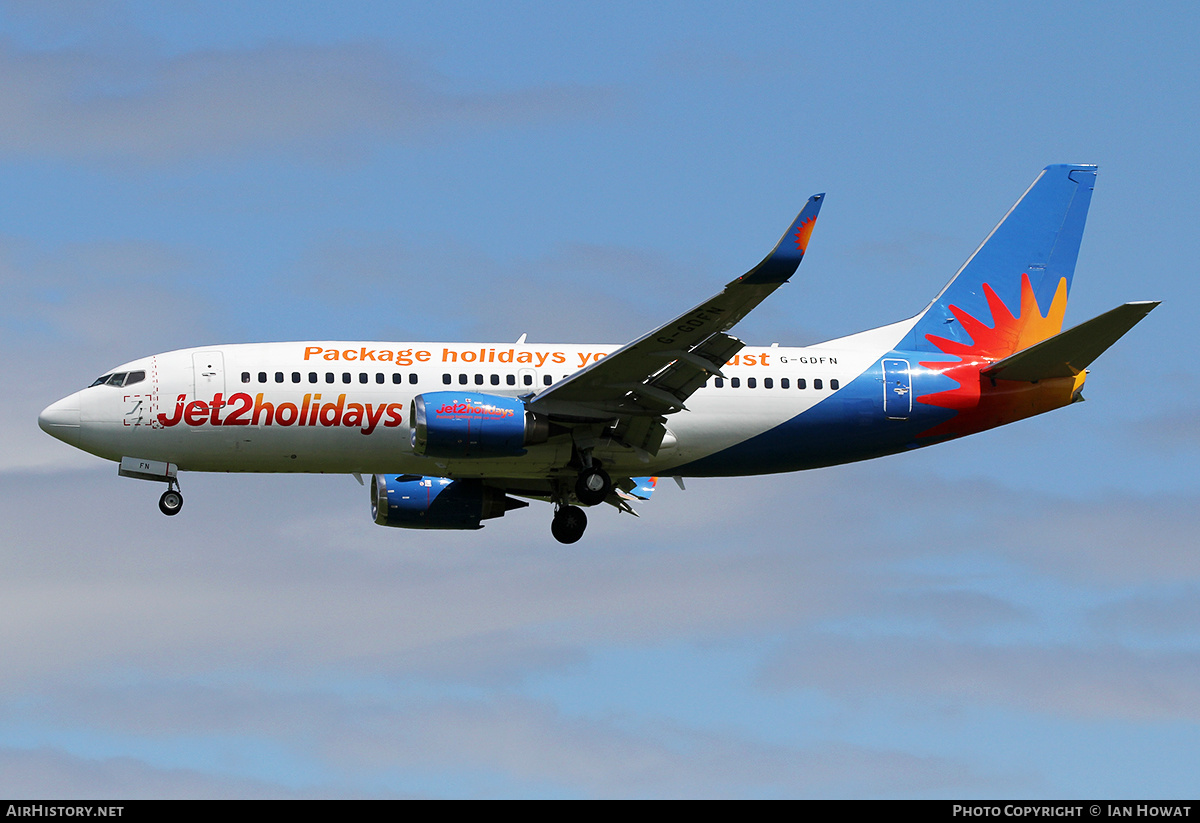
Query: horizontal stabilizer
636 488
1068 353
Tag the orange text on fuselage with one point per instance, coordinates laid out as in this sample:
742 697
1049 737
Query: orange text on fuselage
536 358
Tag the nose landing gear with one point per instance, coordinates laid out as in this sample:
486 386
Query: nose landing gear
172 499
170 503
155 470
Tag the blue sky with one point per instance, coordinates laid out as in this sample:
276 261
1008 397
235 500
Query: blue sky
1013 614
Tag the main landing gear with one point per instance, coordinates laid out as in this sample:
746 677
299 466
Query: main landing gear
593 486
171 501
568 524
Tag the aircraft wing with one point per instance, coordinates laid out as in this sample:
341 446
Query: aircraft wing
656 374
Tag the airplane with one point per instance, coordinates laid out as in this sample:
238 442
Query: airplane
453 434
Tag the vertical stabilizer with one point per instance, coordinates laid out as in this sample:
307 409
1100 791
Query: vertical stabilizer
1013 290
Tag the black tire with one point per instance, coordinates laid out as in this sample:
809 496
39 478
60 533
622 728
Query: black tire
170 503
568 524
593 486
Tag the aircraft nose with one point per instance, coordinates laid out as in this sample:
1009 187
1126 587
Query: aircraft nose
61 420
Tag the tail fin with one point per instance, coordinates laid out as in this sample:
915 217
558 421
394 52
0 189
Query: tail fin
1012 292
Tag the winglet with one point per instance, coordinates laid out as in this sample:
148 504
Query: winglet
783 260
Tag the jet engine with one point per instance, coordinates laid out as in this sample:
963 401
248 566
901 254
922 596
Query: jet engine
409 501
469 424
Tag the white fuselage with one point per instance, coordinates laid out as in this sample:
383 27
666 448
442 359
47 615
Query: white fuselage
344 406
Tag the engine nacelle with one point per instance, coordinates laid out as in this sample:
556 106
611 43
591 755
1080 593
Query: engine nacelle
409 501
469 424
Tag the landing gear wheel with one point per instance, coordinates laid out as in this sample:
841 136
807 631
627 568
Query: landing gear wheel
170 503
593 486
568 524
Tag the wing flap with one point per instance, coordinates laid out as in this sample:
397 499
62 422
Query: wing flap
689 370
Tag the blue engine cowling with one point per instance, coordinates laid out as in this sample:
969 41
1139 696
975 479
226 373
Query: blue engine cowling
410 501
469 424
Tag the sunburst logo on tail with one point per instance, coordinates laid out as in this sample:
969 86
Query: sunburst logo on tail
803 232
978 403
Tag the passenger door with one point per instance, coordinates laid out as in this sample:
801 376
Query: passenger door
897 389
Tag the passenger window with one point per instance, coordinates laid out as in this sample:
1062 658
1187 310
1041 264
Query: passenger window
279 377
462 380
446 379
495 380
262 377
547 380
412 378
329 377
295 377
510 379
245 377
735 382
479 380
768 383
801 383
312 377
783 383
719 383
817 384
379 378
396 378
363 377
834 384
345 377
528 379
751 382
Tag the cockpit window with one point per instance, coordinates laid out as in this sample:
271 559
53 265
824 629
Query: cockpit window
119 379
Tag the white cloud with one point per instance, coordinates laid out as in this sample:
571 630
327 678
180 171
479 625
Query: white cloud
1170 430
274 565
1111 682
79 104
50 772
293 564
513 743
531 742
1154 615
